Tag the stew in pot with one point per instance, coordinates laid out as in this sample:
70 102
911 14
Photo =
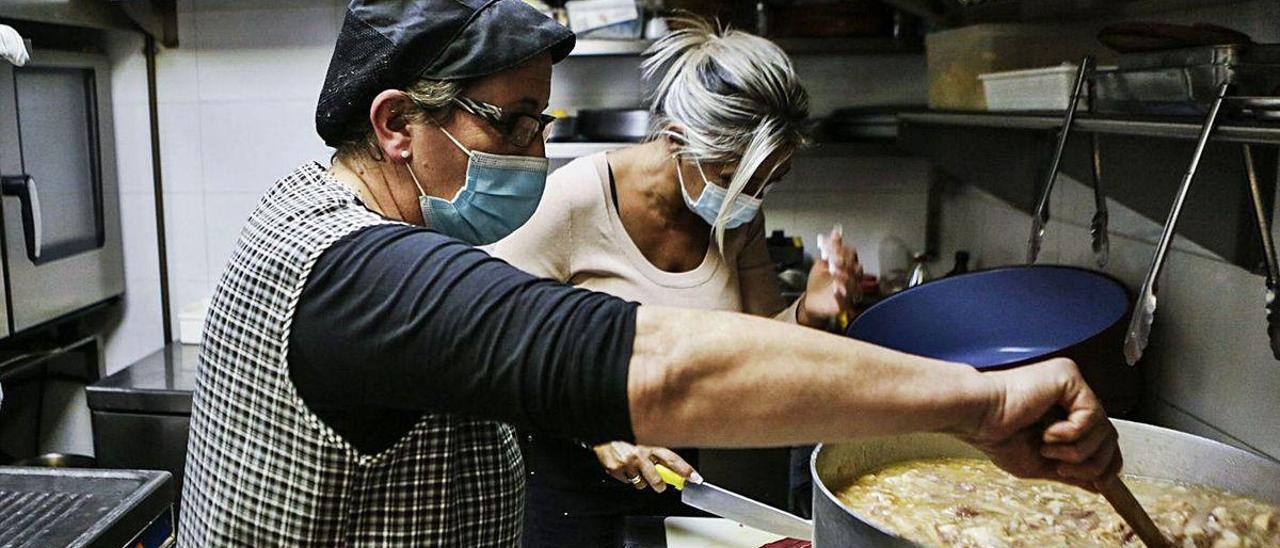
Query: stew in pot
971 502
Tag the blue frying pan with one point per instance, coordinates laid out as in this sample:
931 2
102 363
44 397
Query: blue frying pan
1004 317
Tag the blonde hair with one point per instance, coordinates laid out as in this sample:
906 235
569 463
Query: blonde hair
724 95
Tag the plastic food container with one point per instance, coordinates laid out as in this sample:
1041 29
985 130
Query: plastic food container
955 58
191 321
1031 89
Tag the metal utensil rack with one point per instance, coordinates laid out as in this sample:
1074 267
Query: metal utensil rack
934 134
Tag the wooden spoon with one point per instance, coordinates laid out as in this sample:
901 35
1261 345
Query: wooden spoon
1116 493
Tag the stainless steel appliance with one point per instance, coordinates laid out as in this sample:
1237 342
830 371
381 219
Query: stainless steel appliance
150 400
60 215
86 508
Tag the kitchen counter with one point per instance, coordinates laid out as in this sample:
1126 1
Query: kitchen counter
149 400
161 383
684 532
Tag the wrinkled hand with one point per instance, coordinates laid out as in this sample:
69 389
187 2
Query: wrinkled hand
833 281
1045 422
625 462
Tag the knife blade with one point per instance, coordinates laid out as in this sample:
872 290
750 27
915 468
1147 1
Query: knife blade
727 504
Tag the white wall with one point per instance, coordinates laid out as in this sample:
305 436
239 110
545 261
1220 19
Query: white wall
236 103
139 331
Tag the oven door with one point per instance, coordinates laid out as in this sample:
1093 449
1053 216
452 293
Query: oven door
58 181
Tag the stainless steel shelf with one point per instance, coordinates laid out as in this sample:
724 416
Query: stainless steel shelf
1143 162
888 148
566 151
1243 133
987 11
593 48
849 46
794 46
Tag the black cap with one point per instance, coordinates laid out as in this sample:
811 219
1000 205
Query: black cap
389 44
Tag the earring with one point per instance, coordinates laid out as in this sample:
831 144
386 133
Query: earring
405 154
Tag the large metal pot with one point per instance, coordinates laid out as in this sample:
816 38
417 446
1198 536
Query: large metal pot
1149 451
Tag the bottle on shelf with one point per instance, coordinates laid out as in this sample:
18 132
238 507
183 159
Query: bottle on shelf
920 272
962 264
895 265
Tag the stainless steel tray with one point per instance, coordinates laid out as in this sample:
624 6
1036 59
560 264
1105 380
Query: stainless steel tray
1261 108
1184 82
1230 54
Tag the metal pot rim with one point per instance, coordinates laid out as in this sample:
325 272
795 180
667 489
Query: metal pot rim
821 489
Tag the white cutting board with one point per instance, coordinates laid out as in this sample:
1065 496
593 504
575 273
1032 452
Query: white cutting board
714 533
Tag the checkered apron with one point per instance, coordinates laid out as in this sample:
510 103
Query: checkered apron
262 470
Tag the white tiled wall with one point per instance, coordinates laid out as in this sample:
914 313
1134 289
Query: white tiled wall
139 330
236 103
235 113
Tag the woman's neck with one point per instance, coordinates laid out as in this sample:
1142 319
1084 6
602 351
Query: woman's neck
650 172
371 181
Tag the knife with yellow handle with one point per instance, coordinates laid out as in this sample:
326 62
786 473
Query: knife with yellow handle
730 505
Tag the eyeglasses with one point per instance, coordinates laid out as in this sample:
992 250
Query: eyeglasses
519 128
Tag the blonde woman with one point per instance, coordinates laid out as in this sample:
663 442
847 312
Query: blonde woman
674 221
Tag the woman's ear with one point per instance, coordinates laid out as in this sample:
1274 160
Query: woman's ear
389 115
674 138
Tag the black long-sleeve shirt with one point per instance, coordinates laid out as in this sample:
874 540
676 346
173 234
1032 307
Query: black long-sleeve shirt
398 321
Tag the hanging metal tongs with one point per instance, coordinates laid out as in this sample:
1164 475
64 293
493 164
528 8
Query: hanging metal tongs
1041 217
1098 226
1145 309
1268 252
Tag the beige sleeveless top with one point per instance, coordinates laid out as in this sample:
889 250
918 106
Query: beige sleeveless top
577 237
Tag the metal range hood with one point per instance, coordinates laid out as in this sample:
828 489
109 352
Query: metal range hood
157 18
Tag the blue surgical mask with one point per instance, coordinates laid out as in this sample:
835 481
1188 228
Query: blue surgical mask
500 194
745 208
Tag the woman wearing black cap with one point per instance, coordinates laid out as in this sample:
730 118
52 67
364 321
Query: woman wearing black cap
359 372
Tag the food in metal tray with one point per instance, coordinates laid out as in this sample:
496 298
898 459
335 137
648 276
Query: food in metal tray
971 502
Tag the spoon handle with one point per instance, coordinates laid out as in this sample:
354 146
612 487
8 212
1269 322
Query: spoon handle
1116 493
